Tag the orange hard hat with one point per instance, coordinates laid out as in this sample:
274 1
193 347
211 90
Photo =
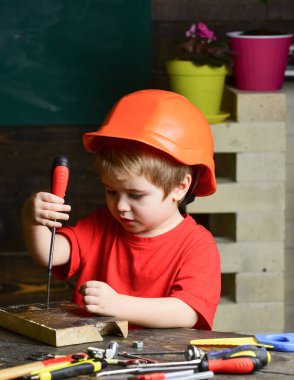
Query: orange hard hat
167 121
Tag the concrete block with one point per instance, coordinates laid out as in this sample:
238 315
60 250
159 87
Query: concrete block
258 136
290 177
289 278
260 167
260 226
289 317
238 257
234 197
290 205
290 148
252 106
289 240
257 287
250 318
288 89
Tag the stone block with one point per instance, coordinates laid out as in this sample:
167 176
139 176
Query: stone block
260 167
258 136
260 287
290 149
290 205
260 226
290 177
254 106
289 317
238 257
234 197
289 278
250 318
289 241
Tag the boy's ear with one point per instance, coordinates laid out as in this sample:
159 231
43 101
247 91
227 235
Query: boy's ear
181 190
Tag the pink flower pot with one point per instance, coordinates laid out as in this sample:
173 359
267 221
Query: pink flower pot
259 61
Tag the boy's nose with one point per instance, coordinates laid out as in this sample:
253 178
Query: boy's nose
123 205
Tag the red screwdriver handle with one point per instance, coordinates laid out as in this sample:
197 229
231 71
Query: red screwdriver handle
236 365
59 175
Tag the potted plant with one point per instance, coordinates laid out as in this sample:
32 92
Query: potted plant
260 57
199 68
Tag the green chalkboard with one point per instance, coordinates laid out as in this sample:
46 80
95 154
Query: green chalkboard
65 62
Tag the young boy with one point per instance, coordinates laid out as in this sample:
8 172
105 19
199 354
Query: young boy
139 259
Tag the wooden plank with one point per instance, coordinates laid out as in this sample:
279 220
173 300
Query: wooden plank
64 323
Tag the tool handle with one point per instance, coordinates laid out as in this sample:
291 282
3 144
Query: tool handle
242 351
71 371
24 369
59 175
237 365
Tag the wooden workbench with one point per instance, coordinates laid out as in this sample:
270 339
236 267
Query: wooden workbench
16 349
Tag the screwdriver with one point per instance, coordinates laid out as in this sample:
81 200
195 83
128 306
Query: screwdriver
24 369
259 352
59 180
71 370
236 365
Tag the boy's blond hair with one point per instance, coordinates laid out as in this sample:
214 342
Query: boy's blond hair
117 158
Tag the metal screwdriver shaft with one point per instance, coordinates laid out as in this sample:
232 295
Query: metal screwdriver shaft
59 180
53 232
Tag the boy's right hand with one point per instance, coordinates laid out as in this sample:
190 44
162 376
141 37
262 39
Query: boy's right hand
45 209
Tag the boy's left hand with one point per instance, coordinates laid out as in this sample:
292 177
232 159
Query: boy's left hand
99 298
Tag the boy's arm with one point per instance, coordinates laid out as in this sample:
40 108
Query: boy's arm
168 312
41 212
165 312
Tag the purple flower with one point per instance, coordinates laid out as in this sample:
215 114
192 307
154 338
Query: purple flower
203 48
192 31
204 32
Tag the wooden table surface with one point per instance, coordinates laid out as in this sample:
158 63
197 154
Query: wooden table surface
16 349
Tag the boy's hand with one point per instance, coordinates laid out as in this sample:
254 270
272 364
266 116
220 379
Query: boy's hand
45 209
100 298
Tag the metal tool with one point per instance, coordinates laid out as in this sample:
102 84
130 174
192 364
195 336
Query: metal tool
101 353
149 368
111 350
190 353
185 375
59 180
142 359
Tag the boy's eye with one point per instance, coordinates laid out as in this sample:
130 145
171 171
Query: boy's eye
110 192
135 196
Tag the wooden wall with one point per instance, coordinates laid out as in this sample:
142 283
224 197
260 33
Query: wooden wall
26 153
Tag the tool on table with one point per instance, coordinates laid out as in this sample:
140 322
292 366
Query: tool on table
164 367
240 365
138 357
238 341
59 180
236 365
39 372
69 370
108 353
175 375
21 370
190 353
280 342
241 351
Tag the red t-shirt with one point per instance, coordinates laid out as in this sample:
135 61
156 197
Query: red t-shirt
182 263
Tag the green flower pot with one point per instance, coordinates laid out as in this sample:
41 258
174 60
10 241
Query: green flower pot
202 85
